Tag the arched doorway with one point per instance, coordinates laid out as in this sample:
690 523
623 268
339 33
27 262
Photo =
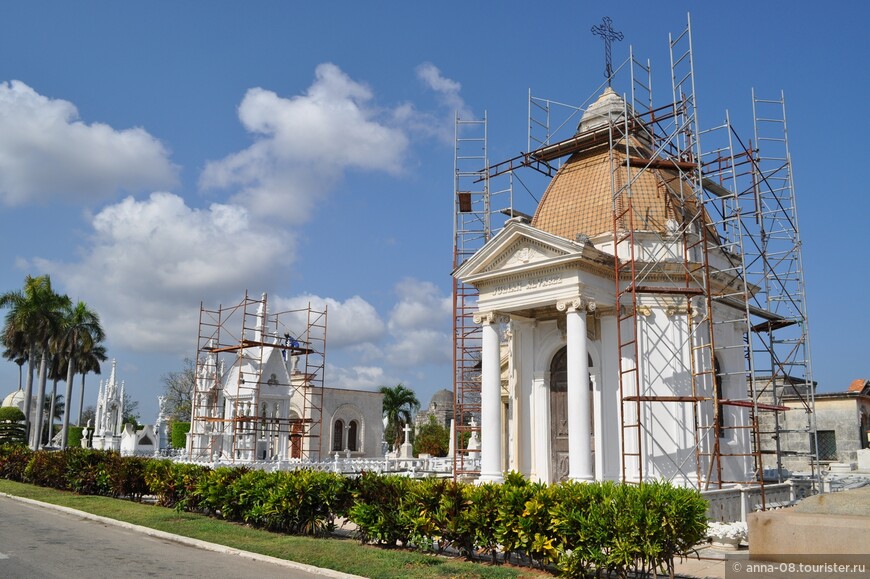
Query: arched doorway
559 414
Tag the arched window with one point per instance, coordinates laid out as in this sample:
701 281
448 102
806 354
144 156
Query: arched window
338 435
351 436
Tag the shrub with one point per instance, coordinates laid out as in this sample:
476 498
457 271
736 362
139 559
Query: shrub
674 520
580 521
432 438
74 437
88 472
47 469
515 493
179 434
482 517
14 459
217 494
435 510
11 414
379 509
174 484
12 426
127 477
250 492
299 502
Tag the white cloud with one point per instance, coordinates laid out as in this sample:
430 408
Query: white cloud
420 305
352 323
358 377
418 347
428 124
151 263
447 89
365 352
420 325
47 153
304 144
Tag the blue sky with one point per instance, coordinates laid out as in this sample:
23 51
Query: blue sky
157 155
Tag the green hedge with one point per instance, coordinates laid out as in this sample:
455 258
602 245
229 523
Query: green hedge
575 528
74 437
179 434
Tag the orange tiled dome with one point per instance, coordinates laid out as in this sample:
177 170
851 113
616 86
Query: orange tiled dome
579 199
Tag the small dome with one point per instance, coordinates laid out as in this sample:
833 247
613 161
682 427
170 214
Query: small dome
579 199
443 399
15 399
608 108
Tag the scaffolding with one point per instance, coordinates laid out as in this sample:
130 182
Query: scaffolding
733 248
471 230
258 393
781 340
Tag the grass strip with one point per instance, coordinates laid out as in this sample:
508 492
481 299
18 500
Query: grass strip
343 555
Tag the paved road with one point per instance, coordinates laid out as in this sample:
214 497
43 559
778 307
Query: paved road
41 543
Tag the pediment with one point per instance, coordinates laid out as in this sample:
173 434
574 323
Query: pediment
518 246
522 252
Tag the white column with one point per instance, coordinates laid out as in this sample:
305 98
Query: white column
541 448
490 400
579 410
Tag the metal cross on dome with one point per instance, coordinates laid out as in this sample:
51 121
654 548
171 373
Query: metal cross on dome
606 31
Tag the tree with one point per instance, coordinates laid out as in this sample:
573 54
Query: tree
15 350
81 332
178 391
88 362
89 413
130 412
432 438
35 313
400 403
55 407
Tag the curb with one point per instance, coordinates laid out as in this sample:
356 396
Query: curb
205 545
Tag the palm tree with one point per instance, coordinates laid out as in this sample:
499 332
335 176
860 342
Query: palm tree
399 405
15 350
88 362
57 406
35 312
55 374
81 333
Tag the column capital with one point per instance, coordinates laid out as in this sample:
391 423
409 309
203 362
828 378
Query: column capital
578 303
490 318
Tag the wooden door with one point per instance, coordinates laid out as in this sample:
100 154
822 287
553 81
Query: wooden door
559 416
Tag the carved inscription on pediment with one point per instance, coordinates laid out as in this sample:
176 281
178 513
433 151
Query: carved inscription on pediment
527 284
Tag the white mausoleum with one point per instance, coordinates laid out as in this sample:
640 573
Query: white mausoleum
551 362
262 405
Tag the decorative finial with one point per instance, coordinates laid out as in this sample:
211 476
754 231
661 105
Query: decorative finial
606 32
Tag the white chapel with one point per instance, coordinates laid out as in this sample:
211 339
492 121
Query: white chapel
593 363
256 400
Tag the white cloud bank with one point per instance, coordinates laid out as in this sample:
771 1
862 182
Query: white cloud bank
304 145
150 263
47 153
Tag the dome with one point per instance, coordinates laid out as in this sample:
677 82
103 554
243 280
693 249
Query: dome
579 201
443 399
15 399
